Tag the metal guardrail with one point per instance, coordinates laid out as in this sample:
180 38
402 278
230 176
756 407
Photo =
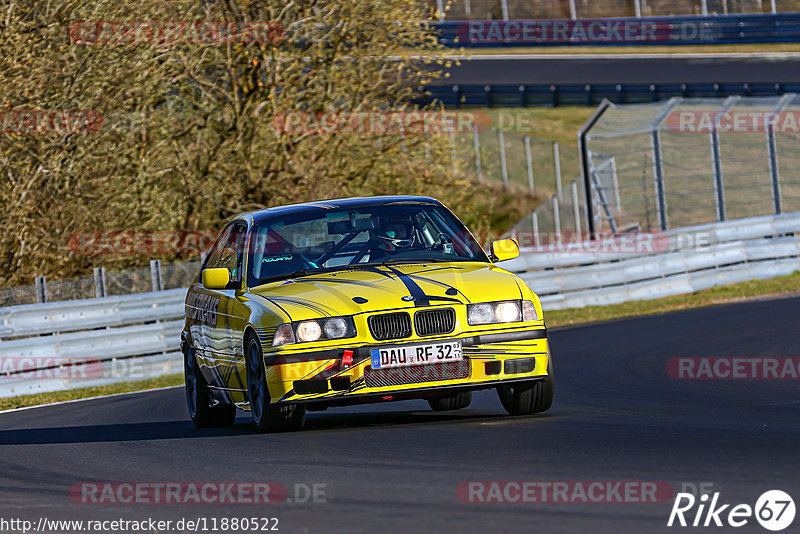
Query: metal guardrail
456 96
628 31
83 343
33 319
540 258
718 254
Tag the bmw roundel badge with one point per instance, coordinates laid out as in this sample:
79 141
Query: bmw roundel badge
407 298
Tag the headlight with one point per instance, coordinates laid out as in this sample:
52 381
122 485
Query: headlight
529 311
314 330
284 335
308 331
335 328
480 314
494 312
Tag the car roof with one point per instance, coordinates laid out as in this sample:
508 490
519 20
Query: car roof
321 205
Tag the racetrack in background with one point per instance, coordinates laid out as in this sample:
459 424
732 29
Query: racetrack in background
395 467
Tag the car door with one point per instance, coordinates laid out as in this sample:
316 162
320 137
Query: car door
217 355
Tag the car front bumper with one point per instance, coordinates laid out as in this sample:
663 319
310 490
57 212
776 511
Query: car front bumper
489 358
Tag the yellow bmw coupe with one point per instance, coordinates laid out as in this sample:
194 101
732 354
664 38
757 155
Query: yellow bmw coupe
359 300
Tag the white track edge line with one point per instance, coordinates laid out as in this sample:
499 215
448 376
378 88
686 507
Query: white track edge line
58 403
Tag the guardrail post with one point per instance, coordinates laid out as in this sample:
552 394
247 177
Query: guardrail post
440 9
155 275
41 289
468 8
99 282
557 166
574 14
477 144
638 8
504 5
503 165
774 7
705 7
529 161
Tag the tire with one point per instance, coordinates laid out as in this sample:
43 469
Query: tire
204 410
268 417
455 401
533 396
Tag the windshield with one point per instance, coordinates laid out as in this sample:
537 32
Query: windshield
369 235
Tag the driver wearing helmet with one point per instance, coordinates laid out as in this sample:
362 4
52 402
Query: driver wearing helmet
392 237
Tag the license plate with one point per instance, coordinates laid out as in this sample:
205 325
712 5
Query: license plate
410 355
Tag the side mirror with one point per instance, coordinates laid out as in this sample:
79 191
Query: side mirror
504 249
216 278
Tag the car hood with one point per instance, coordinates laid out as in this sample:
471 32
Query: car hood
389 287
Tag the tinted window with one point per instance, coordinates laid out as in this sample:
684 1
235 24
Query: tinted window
341 238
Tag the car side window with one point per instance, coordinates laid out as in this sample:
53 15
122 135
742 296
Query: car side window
228 251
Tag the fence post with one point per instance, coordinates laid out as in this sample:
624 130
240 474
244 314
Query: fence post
155 275
574 14
772 152
774 172
99 282
556 217
774 7
440 9
529 162
41 289
477 144
468 8
719 192
504 5
503 166
658 166
658 173
575 208
705 7
638 9
716 161
557 165
535 227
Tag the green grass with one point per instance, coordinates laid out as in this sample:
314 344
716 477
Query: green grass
82 393
783 285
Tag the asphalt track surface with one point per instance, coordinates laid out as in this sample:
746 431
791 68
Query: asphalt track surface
395 467
631 69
